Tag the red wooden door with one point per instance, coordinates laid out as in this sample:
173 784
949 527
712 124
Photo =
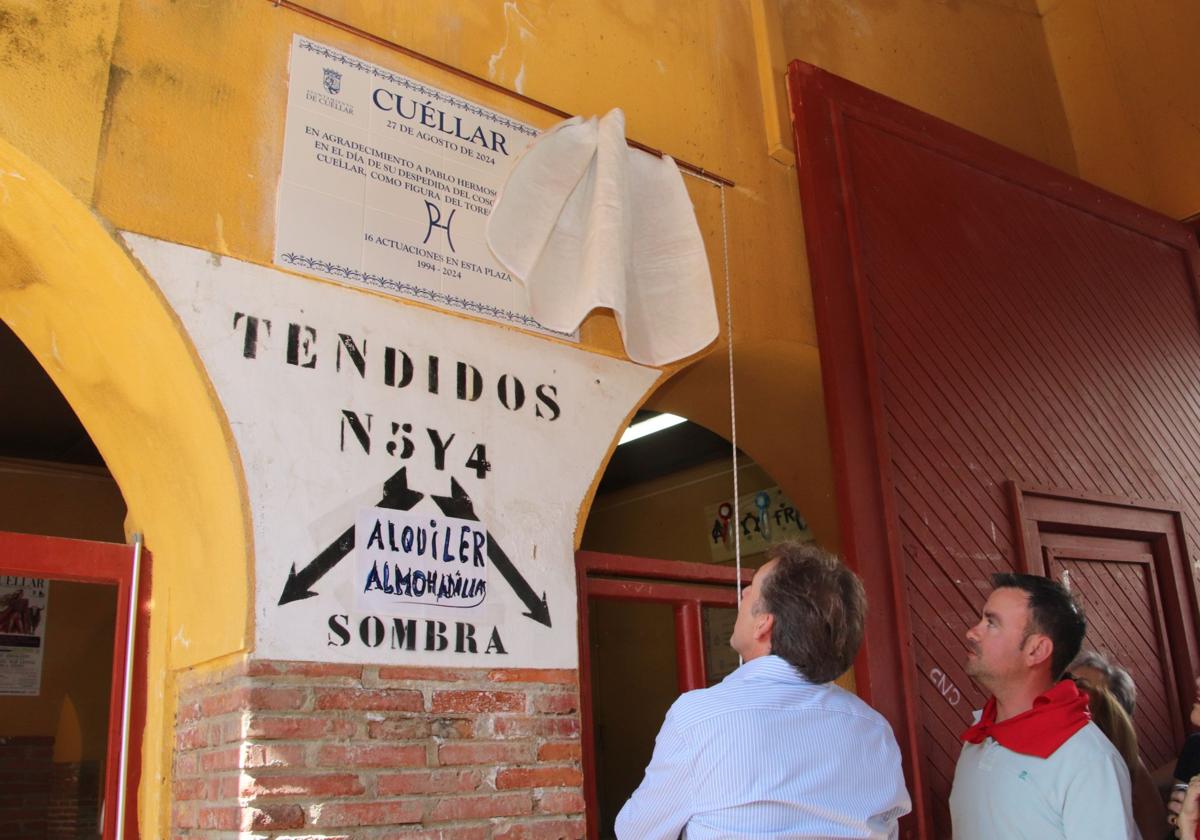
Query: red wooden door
983 320
1117 583
65 607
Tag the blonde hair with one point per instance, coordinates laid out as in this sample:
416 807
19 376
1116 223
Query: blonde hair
1111 718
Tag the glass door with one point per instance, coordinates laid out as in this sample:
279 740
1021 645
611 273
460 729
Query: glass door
649 631
64 637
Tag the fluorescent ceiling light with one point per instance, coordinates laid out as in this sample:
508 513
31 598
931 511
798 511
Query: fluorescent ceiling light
648 427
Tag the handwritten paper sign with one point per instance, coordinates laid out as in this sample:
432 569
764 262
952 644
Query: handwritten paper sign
416 559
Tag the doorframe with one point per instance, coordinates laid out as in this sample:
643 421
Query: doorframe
687 585
88 561
1145 562
1158 522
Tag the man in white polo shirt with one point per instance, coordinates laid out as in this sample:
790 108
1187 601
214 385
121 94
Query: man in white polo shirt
1034 766
775 749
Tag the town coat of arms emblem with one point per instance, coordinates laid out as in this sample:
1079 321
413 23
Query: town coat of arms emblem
333 81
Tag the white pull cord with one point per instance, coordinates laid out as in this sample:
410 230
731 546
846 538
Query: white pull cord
737 515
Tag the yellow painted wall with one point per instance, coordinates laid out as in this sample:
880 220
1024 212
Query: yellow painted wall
59 501
1127 73
980 64
212 80
167 119
105 336
54 74
1102 89
664 518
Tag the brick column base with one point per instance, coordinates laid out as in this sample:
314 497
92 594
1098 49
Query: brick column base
273 749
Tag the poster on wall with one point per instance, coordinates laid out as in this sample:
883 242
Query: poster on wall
23 602
720 660
763 517
386 183
414 477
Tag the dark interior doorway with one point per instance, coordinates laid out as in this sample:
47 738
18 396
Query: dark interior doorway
657 591
650 630
37 424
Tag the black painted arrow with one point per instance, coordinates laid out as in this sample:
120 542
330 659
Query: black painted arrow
458 504
538 609
396 496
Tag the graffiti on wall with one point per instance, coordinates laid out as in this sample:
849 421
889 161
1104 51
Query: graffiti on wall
947 688
762 517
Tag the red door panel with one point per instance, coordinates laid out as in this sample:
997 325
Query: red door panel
81 623
983 319
1116 582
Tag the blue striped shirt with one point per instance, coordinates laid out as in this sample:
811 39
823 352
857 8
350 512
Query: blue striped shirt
766 753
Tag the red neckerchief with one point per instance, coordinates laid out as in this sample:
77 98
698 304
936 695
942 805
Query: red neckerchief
1056 715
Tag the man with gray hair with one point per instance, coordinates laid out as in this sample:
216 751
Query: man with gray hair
776 749
1096 669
